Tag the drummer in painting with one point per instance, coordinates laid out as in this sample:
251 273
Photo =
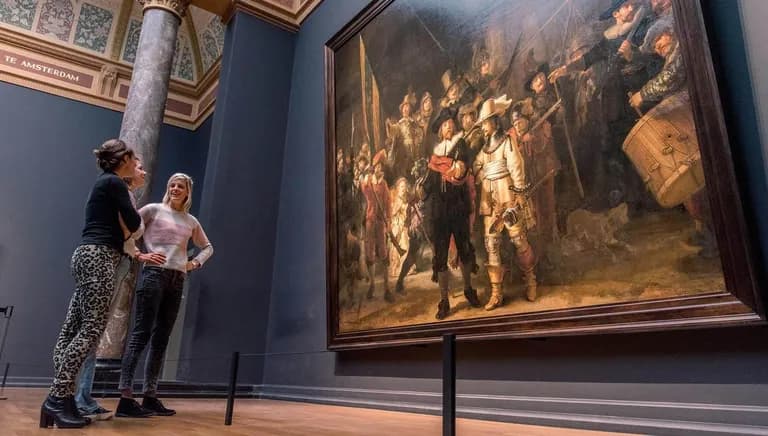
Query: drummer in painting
661 40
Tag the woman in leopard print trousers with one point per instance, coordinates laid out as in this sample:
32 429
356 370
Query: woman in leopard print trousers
93 267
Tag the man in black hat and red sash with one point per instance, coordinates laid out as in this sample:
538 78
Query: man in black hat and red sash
445 188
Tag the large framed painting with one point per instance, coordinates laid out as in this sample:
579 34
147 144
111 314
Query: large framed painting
509 168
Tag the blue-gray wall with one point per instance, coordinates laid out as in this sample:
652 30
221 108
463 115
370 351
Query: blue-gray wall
228 302
641 382
263 205
46 172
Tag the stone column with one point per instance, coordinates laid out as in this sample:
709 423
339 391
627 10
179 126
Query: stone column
142 120
149 84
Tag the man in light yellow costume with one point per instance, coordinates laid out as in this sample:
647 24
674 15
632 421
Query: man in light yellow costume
500 172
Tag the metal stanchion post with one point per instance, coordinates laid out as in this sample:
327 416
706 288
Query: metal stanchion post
7 312
449 385
5 377
232 388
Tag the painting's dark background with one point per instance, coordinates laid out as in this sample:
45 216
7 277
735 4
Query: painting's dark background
431 38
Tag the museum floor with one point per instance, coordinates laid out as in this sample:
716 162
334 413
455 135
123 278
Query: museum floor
20 412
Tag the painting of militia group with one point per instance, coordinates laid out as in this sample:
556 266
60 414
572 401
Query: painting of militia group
504 157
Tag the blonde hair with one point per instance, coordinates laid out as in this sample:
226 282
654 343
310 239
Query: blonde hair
188 182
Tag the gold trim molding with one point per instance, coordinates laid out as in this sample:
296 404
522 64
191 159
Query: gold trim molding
53 69
274 12
176 7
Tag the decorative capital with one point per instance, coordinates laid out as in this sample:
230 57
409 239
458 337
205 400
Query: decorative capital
176 7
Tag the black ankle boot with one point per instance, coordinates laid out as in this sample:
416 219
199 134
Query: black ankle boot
471 296
443 309
60 411
130 408
153 404
388 297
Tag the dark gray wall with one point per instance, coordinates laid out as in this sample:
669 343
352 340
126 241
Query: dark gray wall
46 172
228 301
669 382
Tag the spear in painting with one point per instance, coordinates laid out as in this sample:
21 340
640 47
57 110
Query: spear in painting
567 130
352 136
442 49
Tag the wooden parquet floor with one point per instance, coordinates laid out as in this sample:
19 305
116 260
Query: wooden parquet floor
19 416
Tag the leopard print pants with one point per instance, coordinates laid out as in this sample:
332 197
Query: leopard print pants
93 267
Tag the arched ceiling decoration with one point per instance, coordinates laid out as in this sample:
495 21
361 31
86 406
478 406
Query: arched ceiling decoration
85 49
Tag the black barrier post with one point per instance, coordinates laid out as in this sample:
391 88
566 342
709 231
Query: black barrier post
7 313
232 387
5 377
449 384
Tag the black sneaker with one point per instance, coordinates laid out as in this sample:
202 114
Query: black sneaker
130 408
153 404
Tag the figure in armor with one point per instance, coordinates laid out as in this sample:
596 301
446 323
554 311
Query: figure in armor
423 118
482 79
405 145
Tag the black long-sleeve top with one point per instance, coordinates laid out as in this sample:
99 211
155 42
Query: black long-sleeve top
109 199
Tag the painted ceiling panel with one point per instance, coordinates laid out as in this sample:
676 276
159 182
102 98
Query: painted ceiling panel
97 27
93 25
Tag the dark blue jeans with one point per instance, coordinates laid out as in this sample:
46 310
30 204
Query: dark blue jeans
158 297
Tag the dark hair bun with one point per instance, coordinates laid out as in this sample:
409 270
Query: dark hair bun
111 153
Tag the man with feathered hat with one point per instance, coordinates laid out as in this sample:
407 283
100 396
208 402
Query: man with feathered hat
500 171
446 191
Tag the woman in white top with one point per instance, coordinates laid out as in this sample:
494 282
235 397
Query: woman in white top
168 228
